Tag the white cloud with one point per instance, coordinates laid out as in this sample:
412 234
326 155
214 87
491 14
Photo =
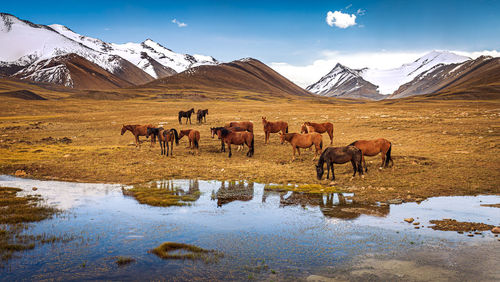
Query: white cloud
361 12
340 19
178 23
305 75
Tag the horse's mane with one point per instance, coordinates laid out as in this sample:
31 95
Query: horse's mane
289 136
352 144
224 132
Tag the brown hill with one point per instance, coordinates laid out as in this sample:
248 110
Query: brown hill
247 75
75 71
473 79
22 94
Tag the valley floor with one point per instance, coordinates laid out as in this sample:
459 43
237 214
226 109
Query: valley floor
439 147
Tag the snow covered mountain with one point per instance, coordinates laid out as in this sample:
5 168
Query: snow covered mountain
31 44
341 80
150 56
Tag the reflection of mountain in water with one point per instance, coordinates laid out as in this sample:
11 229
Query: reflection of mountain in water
335 207
234 191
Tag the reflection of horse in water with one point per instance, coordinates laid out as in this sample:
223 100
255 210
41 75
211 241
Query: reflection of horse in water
342 209
234 191
192 190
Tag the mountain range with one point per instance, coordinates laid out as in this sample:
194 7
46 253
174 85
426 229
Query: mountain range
40 53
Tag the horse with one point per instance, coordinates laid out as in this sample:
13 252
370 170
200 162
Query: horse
247 125
155 131
298 141
238 138
187 115
339 155
193 136
372 148
168 136
213 131
201 114
318 127
138 130
273 127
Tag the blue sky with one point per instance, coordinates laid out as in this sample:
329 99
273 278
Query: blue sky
294 32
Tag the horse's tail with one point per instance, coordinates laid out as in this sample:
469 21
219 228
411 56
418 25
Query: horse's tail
286 130
388 155
195 141
321 144
252 146
176 136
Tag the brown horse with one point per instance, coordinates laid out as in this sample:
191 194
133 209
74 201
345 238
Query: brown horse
237 138
138 130
339 155
303 141
193 136
273 127
318 127
168 136
213 131
372 148
202 114
247 125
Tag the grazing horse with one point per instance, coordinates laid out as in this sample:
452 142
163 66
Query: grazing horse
372 148
138 130
238 138
213 131
201 114
247 125
339 155
168 136
193 136
273 127
318 127
298 141
187 115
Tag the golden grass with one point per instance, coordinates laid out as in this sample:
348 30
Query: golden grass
439 147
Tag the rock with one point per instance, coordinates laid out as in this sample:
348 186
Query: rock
20 172
409 220
496 229
470 235
478 233
419 199
67 156
416 223
417 227
34 188
460 232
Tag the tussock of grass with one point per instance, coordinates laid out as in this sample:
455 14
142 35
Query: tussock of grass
173 250
16 212
124 260
305 188
161 197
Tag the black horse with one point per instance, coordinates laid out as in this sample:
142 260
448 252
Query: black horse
187 115
155 131
339 155
201 114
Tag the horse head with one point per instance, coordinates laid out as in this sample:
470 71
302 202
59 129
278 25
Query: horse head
124 129
282 137
319 171
212 131
192 110
303 129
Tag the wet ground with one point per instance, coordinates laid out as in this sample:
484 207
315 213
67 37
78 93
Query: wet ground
263 235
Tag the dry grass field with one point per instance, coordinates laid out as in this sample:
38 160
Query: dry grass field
440 147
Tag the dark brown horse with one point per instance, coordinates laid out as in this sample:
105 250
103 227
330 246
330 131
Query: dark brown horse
213 131
186 115
193 137
339 155
237 138
273 127
168 136
303 141
247 125
372 148
202 114
318 127
138 130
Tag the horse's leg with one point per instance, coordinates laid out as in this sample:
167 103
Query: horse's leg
354 167
333 173
293 158
383 160
229 148
328 169
364 162
330 133
172 147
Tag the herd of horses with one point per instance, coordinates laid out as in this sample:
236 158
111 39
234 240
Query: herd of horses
241 133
